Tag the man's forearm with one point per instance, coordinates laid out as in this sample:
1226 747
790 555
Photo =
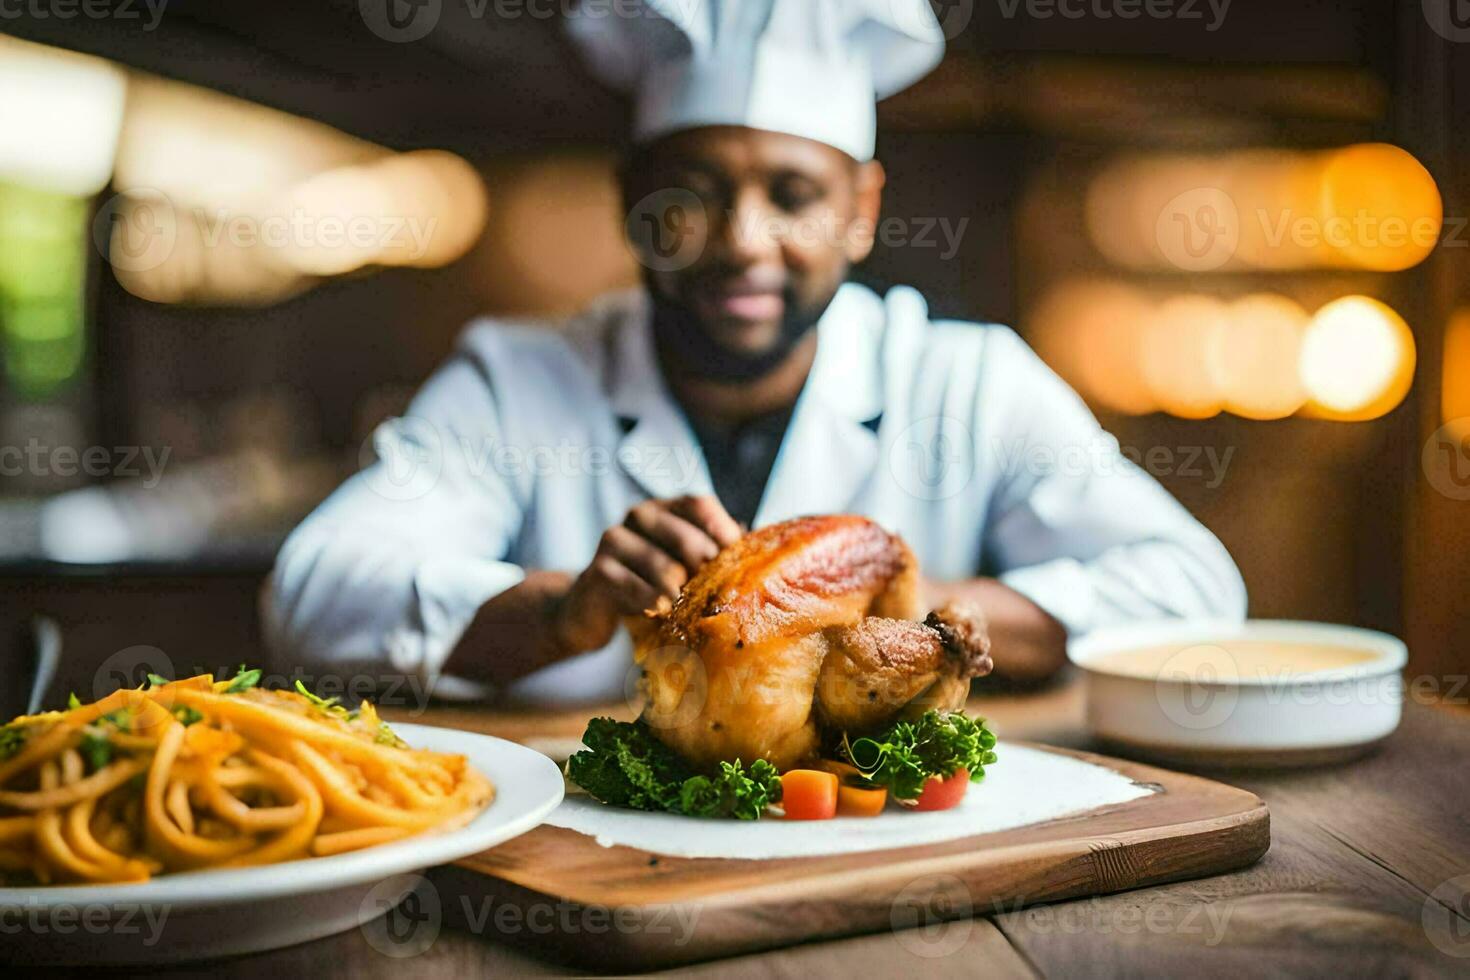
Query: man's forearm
514 633
1027 644
518 631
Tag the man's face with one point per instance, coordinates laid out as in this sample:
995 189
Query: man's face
778 222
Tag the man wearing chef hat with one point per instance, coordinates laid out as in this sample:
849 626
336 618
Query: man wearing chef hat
545 483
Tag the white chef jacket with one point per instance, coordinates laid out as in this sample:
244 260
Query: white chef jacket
530 441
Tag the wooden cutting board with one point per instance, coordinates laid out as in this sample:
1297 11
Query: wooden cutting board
568 897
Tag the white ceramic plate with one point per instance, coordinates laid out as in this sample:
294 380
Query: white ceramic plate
1271 719
1026 786
219 913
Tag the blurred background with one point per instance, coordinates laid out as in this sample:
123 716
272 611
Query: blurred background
236 235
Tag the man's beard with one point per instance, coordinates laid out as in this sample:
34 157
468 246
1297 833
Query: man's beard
687 346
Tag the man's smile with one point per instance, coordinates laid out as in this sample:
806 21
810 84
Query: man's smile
748 298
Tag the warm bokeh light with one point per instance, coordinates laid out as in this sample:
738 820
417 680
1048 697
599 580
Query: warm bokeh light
224 201
206 149
1455 381
1091 333
1259 357
419 209
1357 360
1388 186
1257 360
1181 355
60 118
1365 206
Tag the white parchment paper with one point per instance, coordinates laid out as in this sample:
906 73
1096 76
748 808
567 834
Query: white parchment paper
1026 786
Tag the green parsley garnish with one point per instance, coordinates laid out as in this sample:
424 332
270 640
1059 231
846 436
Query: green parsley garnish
624 764
95 749
121 718
187 715
156 681
387 736
905 755
328 706
243 680
72 701
12 740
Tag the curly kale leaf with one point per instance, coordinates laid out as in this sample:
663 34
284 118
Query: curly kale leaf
905 755
624 764
736 791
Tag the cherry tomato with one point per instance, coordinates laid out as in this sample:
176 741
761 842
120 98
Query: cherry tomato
807 794
943 794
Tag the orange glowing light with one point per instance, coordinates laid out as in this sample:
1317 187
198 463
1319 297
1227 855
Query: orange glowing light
1366 206
1182 348
1455 383
1357 360
1091 333
1381 205
1258 357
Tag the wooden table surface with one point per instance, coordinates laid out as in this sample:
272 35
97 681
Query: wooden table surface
1360 881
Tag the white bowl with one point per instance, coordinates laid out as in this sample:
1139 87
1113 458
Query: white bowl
1203 707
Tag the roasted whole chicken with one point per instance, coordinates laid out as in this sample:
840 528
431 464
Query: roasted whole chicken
796 634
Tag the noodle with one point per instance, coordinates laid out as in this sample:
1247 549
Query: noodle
198 774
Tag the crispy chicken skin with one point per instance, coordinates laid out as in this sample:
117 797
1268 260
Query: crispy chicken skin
880 668
798 631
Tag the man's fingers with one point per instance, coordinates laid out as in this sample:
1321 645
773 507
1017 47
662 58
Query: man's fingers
654 565
685 541
629 592
709 515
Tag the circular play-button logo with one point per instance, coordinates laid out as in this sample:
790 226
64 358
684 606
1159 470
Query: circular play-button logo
400 21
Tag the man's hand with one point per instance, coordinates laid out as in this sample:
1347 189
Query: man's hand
657 548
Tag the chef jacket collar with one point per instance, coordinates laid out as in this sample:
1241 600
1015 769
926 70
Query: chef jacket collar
830 447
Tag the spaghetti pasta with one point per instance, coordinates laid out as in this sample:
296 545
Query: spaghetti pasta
199 773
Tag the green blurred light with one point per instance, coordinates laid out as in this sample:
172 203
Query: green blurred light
43 266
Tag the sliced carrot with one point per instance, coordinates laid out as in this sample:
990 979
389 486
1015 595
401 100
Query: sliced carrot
861 801
807 794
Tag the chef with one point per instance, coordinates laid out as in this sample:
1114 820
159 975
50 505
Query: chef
548 481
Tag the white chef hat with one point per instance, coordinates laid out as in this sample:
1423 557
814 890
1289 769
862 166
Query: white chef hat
812 68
